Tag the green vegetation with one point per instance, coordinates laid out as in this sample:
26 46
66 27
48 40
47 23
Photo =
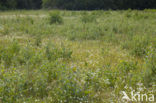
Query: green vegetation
75 56
55 18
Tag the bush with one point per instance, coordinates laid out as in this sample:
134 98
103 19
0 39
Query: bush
55 18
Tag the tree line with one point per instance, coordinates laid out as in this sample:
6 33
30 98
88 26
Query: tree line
77 4
20 4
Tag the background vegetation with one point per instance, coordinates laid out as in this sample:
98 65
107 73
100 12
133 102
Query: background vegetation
77 4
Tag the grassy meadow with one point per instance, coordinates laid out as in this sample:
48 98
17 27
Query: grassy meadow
76 56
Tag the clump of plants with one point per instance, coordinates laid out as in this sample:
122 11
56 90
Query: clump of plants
9 52
53 52
55 18
125 67
137 46
70 89
150 59
127 75
140 46
126 70
4 30
88 18
38 40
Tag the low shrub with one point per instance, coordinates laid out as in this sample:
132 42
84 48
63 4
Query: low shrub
55 18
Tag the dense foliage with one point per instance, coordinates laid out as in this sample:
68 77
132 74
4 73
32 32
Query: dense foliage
99 4
20 4
77 4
